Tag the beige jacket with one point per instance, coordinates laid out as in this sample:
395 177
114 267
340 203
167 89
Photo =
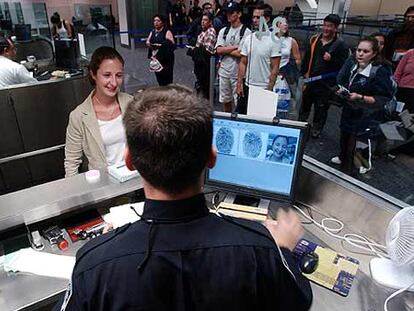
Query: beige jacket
84 137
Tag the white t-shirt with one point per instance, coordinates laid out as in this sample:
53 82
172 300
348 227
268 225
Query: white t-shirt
12 73
259 53
113 137
229 65
62 32
286 49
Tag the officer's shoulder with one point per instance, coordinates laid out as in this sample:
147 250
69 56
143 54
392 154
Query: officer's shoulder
250 230
100 243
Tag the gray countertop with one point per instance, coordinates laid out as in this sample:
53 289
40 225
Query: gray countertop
58 197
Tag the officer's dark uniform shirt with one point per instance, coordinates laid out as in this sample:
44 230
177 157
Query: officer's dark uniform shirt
180 256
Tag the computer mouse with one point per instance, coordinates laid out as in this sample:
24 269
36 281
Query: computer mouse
309 262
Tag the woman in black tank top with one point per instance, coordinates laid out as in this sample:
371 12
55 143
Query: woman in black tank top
161 45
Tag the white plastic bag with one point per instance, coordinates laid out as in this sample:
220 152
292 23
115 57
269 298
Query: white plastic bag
282 89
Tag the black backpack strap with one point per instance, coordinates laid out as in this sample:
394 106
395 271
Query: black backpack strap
242 31
226 31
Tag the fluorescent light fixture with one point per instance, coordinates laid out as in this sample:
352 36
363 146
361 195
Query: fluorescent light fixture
312 4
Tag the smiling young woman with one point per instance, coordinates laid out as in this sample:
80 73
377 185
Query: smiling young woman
95 127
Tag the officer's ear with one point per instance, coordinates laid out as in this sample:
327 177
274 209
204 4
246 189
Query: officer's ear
128 160
212 158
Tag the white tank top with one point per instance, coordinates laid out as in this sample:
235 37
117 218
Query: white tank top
286 48
62 32
113 138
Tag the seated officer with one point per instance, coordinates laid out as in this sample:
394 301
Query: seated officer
11 73
179 256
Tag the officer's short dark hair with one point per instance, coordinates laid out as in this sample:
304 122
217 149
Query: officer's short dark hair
169 134
409 9
333 18
267 8
98 56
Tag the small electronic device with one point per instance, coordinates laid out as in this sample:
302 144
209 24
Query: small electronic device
257 157
326 267
343 91
90 232
309 262
55 236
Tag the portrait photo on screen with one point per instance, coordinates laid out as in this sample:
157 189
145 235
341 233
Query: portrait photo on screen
281 149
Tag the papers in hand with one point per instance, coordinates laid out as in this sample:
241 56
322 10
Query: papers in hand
120 172
40 263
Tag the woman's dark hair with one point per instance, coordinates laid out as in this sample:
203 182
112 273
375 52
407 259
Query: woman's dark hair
55 19
377 60
409 9
163 19
281 136
100 54
209 16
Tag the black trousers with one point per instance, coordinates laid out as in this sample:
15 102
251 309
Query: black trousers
319 95
165 76
347 144
406 95
242 101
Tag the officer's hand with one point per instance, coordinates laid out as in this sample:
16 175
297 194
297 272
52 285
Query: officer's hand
286 230
327 57
239 89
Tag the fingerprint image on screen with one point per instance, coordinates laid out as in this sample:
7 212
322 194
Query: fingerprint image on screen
252 144
224 140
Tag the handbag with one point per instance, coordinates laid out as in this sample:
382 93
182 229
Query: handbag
154 64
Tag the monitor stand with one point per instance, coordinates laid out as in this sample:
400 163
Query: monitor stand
232 198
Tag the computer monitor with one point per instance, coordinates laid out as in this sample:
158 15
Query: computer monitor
257 157
66 51
23 32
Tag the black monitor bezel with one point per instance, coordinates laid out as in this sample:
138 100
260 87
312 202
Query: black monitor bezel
303 135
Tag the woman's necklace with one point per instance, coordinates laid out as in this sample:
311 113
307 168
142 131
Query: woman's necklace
112 110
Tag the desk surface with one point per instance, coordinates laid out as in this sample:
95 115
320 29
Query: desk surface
57 197
22 292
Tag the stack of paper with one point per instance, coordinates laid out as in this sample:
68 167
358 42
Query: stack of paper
124 214
121 172
40 263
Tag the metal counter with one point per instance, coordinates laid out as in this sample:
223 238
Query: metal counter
58 197
333 195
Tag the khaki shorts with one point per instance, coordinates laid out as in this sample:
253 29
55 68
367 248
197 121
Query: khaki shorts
227 90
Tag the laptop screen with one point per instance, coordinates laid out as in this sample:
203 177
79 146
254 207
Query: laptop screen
256 157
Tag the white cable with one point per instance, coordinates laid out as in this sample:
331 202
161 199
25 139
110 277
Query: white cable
395 294
353 239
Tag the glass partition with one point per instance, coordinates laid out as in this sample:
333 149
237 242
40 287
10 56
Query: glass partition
378 161
96 25
18 13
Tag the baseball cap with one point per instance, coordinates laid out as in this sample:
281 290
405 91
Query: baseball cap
232 7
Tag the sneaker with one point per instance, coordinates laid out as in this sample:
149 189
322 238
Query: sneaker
363 170
336 160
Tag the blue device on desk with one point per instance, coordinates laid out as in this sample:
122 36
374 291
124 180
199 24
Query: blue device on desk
257 157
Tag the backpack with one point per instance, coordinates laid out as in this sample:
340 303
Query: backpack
241 33
390 106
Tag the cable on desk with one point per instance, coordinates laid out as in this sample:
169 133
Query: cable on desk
393 295
355 240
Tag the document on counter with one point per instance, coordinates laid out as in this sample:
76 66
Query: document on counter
40 263
124 214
